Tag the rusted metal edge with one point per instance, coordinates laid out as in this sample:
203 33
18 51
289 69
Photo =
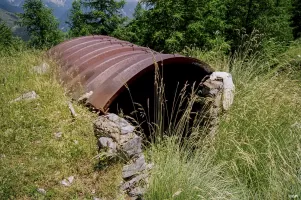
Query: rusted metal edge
103 65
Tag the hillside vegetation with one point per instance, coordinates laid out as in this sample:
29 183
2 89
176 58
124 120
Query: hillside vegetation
256 151
11 20
31 155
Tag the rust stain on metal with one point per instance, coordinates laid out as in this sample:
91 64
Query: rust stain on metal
104 65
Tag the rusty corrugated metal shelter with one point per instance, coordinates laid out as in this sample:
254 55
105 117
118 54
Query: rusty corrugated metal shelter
104 65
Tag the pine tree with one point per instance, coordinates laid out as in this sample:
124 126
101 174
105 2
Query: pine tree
270 17
296 18
103 16
77 22
171 25
134 30
6 38
40 23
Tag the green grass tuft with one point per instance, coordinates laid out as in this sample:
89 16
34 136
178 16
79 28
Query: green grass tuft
256 151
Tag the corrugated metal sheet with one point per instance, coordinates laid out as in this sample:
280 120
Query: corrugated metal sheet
103 64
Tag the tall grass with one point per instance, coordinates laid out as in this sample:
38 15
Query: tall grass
256 151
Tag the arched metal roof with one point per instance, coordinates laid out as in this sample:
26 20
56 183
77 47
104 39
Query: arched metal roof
104 65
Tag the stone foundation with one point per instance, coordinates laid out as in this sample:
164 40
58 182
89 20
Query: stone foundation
117 138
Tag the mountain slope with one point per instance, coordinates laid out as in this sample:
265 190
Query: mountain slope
60 9
11 19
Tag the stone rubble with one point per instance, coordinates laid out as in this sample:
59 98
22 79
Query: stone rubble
84 98
135 168
133 146
41 191
41 69
67 182
117 136
107 143
219 92
72 110
58 135
26 96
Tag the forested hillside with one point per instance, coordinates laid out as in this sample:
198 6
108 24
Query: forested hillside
171 25
255 152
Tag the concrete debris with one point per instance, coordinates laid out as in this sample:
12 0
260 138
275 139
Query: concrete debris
41 191
95 198
116 135
67 182
41 69
135 168
27 96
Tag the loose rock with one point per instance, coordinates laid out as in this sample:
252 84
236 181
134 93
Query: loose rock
124 126
133 169
27 96
58 135
67 182
41 69
41 191
134 181
105 128
133 147
137 192
117 135
115 124
72 110
108 143
83 99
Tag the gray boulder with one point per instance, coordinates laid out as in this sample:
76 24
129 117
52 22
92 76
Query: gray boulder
107 143
134 181
135 168
133 147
